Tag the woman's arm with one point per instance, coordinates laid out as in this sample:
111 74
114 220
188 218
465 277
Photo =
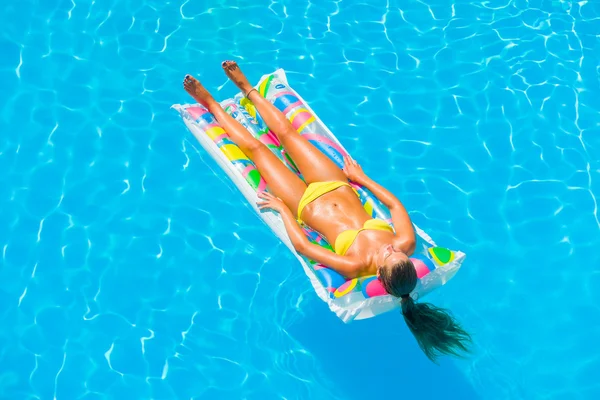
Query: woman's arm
400 218
385 196
346 266
293 229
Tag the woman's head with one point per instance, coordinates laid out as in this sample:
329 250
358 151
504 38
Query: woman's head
396 272
436 331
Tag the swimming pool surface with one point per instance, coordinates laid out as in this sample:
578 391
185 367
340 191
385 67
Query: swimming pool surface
131 269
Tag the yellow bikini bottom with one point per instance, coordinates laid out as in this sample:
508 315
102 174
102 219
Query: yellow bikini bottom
316 190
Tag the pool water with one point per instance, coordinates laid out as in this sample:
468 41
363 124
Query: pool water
132 269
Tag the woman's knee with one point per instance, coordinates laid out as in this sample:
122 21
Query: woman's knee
253 144
289 130
253 147
285 133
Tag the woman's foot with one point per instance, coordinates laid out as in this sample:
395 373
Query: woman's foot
233 72
197 91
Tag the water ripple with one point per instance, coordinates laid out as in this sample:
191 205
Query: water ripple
132 269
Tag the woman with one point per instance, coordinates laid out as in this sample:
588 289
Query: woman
329 205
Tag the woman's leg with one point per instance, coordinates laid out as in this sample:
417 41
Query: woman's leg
282 182
312 163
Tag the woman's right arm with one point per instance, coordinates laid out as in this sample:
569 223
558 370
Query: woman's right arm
349 267
344 265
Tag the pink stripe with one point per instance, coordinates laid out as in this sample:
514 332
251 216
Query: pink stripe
220 137
291 107
322 139
196 111
230 104
300 118
247 170
420 267
274 138
268 139
213 125
285 93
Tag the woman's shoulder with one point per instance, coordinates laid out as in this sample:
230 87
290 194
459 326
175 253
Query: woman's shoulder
405 243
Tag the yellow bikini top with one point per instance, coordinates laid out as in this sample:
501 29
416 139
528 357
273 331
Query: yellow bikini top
346 238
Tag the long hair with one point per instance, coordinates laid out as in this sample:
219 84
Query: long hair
434 328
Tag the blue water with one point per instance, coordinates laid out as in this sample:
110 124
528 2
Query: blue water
132 270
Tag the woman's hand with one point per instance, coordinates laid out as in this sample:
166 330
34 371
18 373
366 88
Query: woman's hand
270 202
353 171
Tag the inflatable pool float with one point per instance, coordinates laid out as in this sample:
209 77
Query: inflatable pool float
349 299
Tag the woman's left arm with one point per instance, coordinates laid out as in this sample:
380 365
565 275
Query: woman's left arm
400 218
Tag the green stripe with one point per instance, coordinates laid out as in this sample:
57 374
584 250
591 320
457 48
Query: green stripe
266 86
